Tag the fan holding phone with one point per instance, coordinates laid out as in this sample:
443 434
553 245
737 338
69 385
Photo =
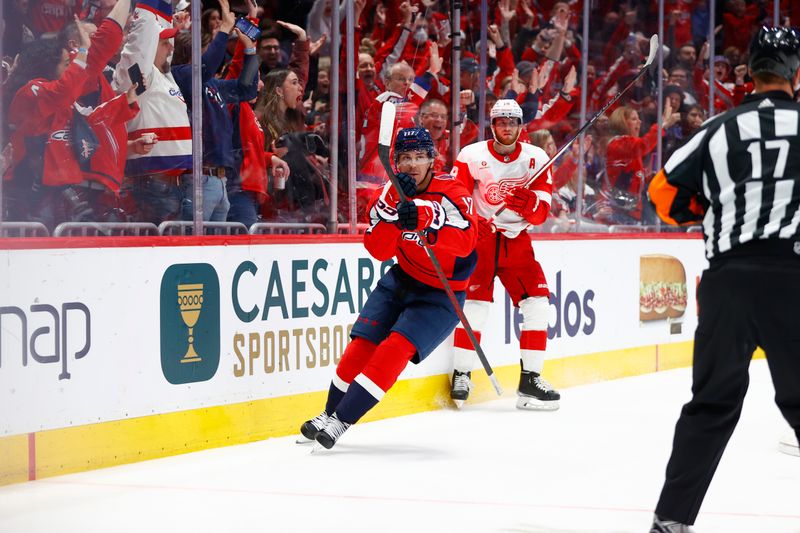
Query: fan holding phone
219 162
247 28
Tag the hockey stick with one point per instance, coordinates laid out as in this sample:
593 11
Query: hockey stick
650 58
384 147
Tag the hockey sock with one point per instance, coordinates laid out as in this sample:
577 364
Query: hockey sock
532 345
533 337
476 312
335 395
355 357
464 354
382 371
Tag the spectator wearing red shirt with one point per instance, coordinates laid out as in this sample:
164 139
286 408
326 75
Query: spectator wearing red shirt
49 16
738 24
626 174
43 118
433 116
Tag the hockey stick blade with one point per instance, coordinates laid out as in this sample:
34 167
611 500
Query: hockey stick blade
653 51
388 113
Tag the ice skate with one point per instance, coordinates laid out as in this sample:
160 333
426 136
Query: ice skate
329 434
661 525
310 428
789 445
460 387
535 393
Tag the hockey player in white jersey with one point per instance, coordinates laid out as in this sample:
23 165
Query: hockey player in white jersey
498 173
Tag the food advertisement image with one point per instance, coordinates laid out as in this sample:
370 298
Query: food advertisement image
662 288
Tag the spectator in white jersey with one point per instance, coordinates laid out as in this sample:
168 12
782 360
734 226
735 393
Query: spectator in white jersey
164 151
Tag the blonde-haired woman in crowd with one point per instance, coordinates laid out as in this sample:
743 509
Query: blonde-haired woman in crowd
626 174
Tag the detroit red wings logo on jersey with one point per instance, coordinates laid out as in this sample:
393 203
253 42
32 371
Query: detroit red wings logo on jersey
496 191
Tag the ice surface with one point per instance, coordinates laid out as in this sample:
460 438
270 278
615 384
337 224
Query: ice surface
594 466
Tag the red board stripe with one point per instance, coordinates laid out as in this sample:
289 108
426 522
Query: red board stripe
31 456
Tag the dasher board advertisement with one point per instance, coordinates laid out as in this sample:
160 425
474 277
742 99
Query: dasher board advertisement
91 335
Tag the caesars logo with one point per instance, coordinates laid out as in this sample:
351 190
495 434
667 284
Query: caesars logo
190 324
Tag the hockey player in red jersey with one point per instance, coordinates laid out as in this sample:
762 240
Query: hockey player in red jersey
497 173
408 314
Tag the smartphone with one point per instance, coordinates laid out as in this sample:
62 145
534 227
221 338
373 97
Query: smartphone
248 28
135 73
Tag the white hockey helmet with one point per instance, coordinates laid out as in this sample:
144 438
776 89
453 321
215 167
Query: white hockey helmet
506 108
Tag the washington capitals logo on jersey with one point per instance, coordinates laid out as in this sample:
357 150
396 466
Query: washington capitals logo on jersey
60 135
431 235
496 192
174 91
87 150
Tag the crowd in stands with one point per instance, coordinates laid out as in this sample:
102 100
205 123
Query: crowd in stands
83 141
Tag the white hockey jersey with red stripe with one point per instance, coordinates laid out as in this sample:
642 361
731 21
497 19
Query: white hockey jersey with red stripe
490 175
163 108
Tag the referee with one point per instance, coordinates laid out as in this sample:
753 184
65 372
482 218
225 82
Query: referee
739 175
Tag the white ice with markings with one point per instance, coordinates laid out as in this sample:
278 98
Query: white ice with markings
594 466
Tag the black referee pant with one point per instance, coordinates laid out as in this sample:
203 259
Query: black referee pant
744 303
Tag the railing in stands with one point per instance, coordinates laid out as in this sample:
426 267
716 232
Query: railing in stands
620 228
104 229
23 229
284 228
181 227
344 229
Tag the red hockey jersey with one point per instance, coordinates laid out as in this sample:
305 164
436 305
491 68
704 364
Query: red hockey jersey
455 243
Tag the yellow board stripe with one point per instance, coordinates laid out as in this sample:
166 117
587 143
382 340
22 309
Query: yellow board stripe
77 449
14 459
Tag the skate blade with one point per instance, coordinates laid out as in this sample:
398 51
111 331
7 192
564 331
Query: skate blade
458 403
789 449
301 439
317 448
532 404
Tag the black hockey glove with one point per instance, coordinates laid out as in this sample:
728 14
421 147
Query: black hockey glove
407 184
420 214
407 215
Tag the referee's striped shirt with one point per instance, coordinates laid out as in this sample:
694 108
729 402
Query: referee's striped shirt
739 174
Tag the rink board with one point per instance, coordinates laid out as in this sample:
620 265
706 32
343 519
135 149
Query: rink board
96 367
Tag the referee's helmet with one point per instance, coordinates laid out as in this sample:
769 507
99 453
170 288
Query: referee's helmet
776 51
